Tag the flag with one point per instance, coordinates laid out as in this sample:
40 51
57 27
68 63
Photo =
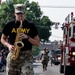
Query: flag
8 1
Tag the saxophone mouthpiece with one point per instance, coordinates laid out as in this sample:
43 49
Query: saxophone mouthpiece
20 18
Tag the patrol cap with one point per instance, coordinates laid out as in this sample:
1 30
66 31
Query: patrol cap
19 8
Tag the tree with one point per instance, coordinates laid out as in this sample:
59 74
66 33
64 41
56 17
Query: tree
35 50
45 27
33 13
43 24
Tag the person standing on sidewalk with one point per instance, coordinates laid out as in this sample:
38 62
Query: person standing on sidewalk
29 36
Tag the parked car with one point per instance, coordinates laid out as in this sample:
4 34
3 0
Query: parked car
58 54
55 57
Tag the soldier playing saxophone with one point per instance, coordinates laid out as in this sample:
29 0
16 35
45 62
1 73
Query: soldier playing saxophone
28 36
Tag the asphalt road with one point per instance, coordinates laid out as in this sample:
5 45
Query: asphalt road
51 70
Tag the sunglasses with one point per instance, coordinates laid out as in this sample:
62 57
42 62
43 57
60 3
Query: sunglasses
19 13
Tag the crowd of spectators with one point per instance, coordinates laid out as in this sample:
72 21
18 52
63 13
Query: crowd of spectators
3 55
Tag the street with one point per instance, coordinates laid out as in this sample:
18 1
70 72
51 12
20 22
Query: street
51 70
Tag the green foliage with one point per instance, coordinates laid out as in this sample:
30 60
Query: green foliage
45 21
44 33
35 50
33 13
43 24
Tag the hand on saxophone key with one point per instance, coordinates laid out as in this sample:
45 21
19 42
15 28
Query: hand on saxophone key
11 48
23 36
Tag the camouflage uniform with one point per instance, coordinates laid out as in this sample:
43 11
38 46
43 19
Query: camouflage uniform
45 59
22 66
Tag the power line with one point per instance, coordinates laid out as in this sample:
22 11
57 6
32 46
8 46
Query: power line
58 7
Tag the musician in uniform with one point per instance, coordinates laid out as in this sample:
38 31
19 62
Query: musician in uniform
23 65
45 58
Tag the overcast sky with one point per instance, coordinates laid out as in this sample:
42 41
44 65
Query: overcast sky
56 14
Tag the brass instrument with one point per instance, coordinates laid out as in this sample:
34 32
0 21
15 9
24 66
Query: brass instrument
18 43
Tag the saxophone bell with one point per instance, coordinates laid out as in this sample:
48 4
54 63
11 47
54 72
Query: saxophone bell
20 44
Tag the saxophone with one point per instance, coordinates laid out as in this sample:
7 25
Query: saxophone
18 44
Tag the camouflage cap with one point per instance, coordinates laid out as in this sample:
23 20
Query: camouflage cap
19 8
